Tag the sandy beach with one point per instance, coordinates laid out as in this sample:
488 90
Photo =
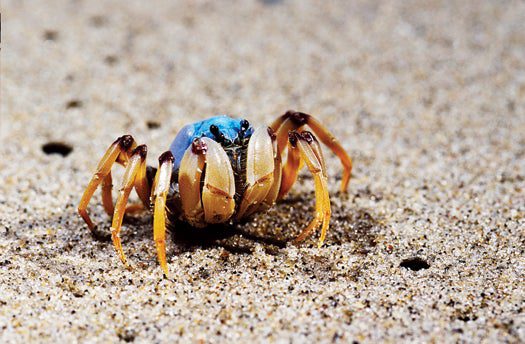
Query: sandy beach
428 98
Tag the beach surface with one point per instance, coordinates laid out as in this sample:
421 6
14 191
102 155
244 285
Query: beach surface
428 98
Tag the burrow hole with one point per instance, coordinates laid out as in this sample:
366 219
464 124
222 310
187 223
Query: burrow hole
57 148
414 263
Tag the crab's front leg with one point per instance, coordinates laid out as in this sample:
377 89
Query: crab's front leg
161 187
219 184
262 170
214 205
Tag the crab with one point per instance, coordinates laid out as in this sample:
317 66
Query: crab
219 170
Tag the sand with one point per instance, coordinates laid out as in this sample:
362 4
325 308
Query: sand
428 98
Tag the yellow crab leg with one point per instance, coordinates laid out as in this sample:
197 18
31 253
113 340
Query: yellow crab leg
160 193
290 170
107 198
118 151
293 120
311 154
135 163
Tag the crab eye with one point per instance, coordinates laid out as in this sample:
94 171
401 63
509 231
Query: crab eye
219 136
215 130
245 124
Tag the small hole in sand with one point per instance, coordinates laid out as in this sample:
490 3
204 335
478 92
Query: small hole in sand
98 21
73 104
153 124
414 264
57 148
50 35
111 60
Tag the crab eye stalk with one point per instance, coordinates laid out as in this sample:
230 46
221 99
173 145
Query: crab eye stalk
219 136
245 125
215 130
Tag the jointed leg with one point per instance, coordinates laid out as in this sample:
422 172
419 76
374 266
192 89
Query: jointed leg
310 152
134 167
328 139
160 193
107 197
293 120
290 170
118 152
142 187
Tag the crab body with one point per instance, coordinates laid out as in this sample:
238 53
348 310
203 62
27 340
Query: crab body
233 131
216 171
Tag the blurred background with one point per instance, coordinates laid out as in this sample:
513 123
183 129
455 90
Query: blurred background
126 64
428 97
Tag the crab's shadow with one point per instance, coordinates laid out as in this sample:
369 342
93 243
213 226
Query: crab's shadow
231 237
275 229
272 230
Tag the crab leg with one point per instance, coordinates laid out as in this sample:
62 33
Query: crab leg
141 186
107 197
117 152
293 120
260 170
160 193
329 140
290 170
136 162
311 154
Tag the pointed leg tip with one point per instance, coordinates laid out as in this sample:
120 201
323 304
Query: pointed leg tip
165 272
124 261
344 185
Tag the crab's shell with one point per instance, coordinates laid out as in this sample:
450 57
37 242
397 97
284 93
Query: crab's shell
230 127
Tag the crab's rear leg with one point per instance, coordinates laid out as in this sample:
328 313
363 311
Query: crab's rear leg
290 170
107 197
119 151
293 120
310 152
